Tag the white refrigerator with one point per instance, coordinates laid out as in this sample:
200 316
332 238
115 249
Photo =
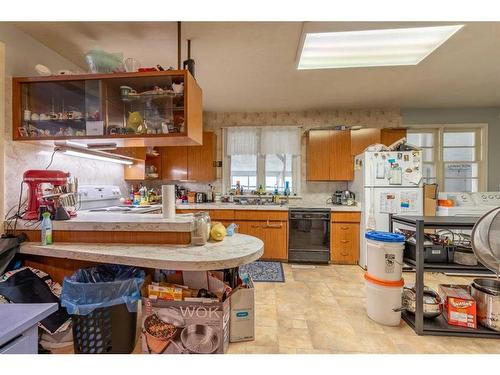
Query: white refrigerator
386 182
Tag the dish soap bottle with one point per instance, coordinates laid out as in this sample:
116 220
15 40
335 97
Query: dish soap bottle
287 188
46 229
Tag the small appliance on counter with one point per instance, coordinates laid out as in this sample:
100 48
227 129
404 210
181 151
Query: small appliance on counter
347 198
51 190
200 198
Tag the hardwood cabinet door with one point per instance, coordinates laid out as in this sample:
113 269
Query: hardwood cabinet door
344 243
319 148
389 136
201 159
274 235
174 163
362 138
341 160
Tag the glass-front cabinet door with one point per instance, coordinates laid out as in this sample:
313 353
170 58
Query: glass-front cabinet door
141 108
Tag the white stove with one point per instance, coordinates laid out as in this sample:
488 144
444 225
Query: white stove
469 204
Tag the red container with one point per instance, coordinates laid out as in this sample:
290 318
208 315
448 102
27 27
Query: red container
459 306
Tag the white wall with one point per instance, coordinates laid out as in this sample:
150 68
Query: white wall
22 53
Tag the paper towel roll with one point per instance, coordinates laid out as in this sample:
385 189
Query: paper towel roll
168 201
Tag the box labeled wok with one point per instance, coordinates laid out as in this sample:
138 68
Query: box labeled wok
184 327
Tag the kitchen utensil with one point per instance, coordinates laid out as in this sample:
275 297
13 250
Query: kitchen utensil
126 91
200 339
486 293
433 305
464 256
486 240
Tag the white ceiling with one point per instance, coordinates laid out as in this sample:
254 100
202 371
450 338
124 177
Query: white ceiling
251 66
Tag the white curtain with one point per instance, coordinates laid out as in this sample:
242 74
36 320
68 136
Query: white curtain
280 140
242 141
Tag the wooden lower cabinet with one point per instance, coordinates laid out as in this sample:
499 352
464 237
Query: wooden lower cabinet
274 234
344 243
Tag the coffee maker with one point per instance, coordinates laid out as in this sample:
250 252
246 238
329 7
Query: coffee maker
45 189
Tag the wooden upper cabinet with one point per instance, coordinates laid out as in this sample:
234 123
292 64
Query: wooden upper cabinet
174 162
341 161
193 163
319 148
200 159
329 155
127 109
362 138
389 136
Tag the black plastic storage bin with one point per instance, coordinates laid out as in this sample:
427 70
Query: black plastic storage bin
107 330
432 253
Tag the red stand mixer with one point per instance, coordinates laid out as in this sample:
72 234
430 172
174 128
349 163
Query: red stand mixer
42 186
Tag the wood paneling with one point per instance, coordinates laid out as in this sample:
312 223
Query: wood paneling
319 148
389 136
362 138
260 215
346 217
114 237
344 243
174 163
200 162
57 268
131 152
341 161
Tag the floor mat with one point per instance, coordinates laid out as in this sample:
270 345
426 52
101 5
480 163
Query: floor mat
262 271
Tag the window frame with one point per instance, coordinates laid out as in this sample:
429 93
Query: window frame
261 166
481 148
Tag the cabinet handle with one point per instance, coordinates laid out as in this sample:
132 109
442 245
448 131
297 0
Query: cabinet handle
344 241
255 226
269 225
344 228
344 253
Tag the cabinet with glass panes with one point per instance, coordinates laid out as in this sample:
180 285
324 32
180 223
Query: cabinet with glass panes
127 109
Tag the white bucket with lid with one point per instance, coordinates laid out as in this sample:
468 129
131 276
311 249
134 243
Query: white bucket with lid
382 298
385 255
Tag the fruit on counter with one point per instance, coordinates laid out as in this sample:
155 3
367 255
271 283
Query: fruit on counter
218 232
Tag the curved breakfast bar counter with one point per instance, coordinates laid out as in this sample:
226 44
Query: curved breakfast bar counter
232 252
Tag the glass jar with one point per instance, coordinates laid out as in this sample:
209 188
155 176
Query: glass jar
201 231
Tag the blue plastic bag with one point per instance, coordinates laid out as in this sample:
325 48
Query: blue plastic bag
102 286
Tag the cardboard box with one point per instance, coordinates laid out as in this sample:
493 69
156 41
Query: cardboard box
430 199
242 321
459 306
181 316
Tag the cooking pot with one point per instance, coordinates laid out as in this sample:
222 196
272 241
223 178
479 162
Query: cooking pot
433 306
486 292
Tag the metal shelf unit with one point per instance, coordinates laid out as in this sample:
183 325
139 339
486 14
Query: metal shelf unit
437 326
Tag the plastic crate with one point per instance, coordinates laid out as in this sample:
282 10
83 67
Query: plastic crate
432 253
107 330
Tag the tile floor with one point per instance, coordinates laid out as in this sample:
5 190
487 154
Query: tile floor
322 310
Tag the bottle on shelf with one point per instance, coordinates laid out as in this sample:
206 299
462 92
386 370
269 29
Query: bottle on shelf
46 229
238 188
287 189
275 192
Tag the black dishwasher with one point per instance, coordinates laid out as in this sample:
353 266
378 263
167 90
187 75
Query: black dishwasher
309 235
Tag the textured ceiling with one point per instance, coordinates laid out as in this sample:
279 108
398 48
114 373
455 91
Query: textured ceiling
251 66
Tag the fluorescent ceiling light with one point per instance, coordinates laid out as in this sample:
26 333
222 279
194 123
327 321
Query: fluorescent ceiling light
95 155
366 48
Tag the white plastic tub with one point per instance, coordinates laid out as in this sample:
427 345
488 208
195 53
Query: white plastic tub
382 297
385 255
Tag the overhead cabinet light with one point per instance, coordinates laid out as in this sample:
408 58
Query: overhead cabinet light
367 48
96 155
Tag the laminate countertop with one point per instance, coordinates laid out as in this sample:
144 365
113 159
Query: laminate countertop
116 221
233 251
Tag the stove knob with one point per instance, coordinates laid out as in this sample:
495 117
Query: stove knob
483 196
497 196
490 196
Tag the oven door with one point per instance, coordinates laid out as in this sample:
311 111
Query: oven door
309 237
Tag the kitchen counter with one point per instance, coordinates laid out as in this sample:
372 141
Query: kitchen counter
232 252
117 221
233 206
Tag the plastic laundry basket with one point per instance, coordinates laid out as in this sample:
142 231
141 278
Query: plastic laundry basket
382 298
385 255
